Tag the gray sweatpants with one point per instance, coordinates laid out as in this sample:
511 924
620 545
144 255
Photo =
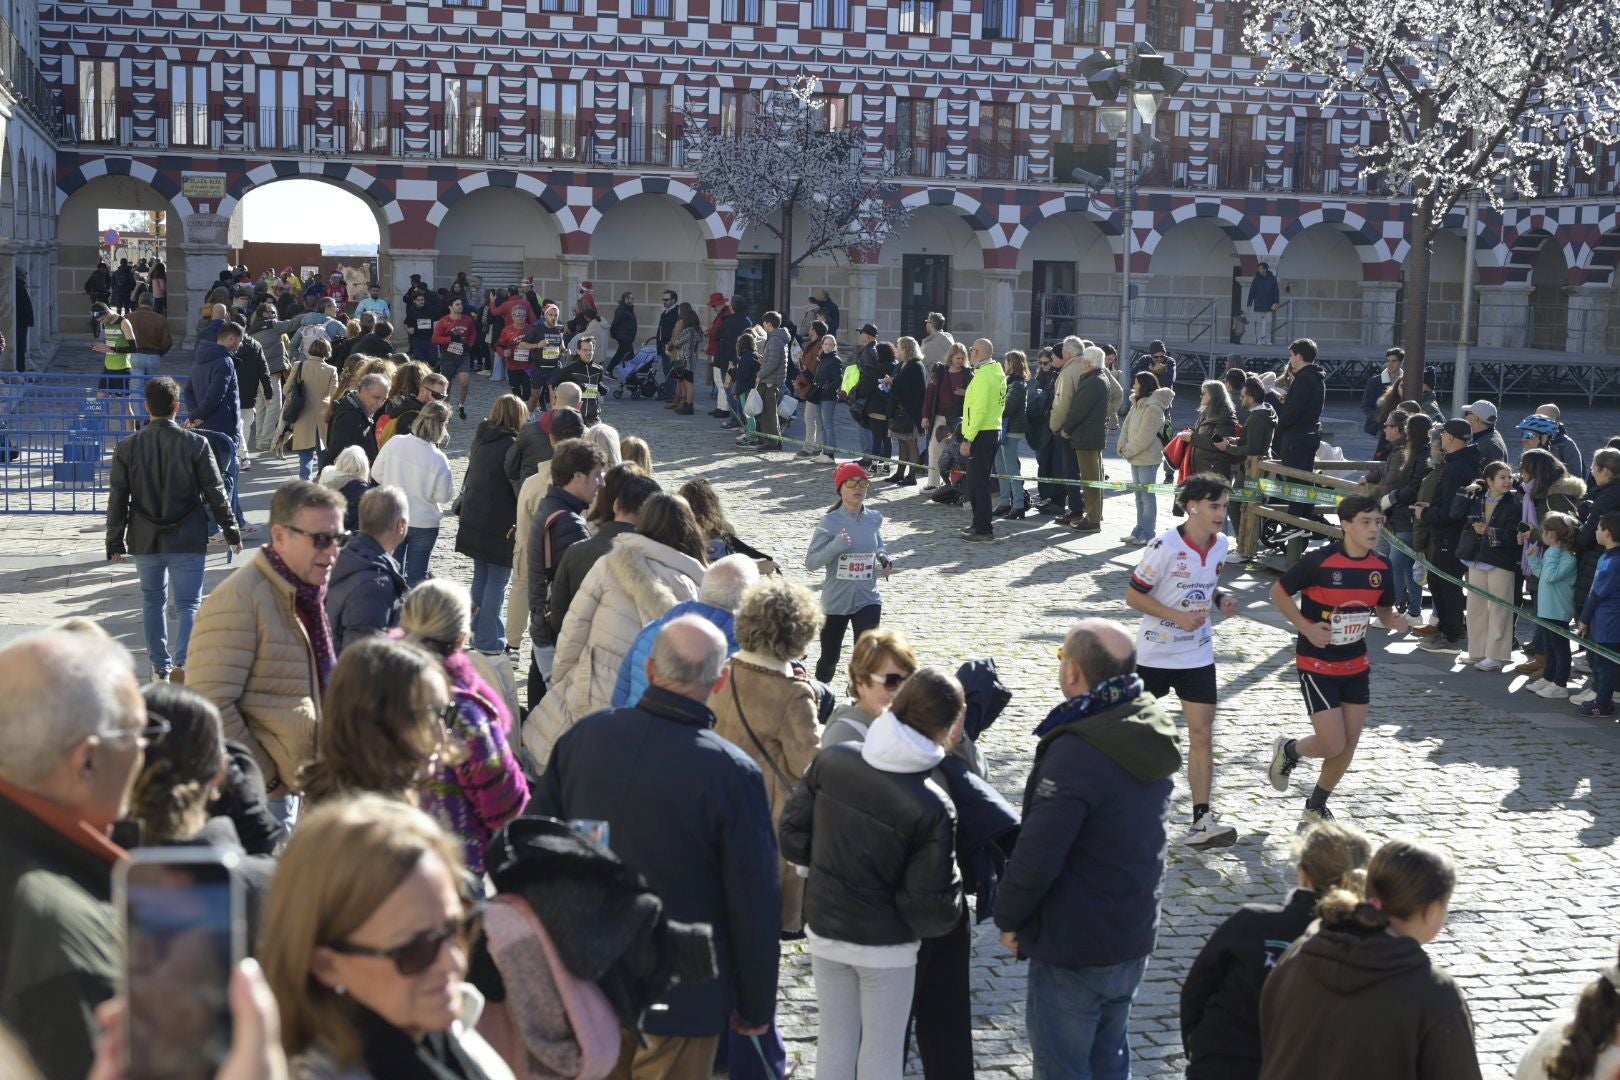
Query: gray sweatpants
863 1012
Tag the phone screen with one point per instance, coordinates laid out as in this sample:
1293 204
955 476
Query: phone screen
183 922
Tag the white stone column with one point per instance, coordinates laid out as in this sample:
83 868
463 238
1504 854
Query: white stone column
203 262
576 270
722 279
862 306
10 259
999 316
1504 315
395 273
1378 312
1589 307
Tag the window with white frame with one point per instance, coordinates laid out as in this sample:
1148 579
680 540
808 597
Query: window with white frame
98 101
188 105
368 111
829 14
278 108
463 116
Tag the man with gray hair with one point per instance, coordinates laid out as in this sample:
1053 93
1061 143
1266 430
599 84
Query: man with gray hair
1080 897
368 589
719 597
1080 416
687 809
354 418
73 731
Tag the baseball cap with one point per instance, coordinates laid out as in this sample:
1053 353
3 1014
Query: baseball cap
1482 409
849 470
1458 429
869 329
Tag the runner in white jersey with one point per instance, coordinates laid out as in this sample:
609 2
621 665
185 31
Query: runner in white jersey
1175 588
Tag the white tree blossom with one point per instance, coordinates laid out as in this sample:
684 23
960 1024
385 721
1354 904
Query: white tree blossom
1476 94
784 157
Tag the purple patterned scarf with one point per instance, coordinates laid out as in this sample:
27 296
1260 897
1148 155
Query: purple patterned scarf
1104 695
309 604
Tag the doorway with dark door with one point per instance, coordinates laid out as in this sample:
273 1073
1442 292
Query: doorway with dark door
1052 302
756 283
925 286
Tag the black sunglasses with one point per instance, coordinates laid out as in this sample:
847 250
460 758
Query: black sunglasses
322 540
436 395
419 953
890 681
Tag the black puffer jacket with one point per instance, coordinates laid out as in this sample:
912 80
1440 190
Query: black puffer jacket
1500 546
350 426
1604 500
1017 402
252 375
879 843
488 500
161 476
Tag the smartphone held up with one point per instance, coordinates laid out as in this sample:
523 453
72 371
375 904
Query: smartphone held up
184 933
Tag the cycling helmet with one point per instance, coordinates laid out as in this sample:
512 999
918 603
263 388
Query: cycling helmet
1541 425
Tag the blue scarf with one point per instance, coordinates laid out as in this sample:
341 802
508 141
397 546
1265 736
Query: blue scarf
1105 695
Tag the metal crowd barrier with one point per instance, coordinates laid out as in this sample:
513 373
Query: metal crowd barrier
57 434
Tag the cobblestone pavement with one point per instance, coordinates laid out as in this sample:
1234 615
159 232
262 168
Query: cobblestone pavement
1525 809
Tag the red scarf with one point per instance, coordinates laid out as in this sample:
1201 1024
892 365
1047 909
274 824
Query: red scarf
309 604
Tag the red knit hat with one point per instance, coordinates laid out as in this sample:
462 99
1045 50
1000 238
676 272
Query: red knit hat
849 470
717 299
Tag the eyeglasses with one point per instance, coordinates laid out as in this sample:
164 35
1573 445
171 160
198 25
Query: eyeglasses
419 953
321 540
859 484
891 681
156 727
437 396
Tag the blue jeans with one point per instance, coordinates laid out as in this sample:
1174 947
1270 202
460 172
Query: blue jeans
829 426
413 553
1147 503
865 434
234 476
1603 672
308 465
145 363
489 606
1008 465
1077 1019
1408 596
185 571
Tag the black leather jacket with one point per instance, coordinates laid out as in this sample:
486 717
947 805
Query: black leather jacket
880 847
160 477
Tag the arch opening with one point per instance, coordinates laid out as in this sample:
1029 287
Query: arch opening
315 227
501 235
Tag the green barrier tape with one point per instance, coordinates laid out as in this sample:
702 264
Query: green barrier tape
1561 631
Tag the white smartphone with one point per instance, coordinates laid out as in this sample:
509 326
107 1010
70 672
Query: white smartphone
184 933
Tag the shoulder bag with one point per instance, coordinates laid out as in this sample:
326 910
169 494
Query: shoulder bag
781 775
297 397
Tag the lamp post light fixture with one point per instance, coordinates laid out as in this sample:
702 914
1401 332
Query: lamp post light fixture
1146 80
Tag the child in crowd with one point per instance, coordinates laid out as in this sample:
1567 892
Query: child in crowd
1553 564
1600 617
744 377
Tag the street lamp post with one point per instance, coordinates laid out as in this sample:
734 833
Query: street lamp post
1146 80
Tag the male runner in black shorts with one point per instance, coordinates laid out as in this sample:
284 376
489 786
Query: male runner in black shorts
1342 586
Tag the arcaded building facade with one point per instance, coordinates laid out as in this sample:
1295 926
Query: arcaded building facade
544 138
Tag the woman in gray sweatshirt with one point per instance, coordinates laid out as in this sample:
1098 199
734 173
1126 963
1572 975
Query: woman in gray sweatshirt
848 546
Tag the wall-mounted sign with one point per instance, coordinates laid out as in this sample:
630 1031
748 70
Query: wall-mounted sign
203 187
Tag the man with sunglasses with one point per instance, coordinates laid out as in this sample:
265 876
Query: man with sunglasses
404 409
262 649
73 733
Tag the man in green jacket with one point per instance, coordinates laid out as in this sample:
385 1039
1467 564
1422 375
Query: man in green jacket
1085 426
73 734
981 433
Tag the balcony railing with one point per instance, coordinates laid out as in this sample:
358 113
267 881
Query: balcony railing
649 144
997 159
22 77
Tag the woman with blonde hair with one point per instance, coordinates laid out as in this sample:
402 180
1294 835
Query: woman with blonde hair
475 796
366 945
305 432
415 461
1220 997
488 516
768 710
633 448
382 723
606 437
878 667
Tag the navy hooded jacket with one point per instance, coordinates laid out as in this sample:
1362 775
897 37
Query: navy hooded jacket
211 395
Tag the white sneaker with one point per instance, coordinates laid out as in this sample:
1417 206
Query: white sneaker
252 530
1583 697
1535 687
1208 832
1489 664
1314 815
1553 691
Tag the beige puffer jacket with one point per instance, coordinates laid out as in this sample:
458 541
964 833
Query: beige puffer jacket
1139 434
251 657
633 584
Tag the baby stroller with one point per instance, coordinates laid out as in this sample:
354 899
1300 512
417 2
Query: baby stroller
639 375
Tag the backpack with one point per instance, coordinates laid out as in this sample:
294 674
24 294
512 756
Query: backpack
1038 418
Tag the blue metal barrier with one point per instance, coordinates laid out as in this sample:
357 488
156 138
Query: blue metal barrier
57 434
